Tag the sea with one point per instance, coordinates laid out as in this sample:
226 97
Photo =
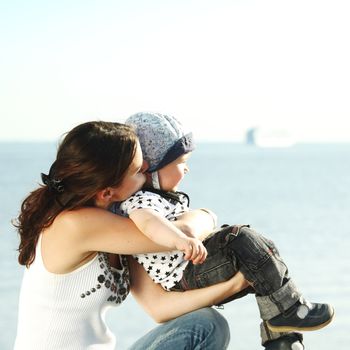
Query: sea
298 196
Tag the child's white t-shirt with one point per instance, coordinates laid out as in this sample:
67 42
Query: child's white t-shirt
165 268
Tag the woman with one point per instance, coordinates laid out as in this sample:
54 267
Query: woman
69 284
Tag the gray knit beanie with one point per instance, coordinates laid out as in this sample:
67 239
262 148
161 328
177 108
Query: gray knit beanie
162 138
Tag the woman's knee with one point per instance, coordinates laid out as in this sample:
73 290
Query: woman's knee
215 327
197 330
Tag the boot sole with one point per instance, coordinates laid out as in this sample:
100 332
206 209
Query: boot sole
305 329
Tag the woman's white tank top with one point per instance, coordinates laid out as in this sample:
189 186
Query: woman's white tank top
67 311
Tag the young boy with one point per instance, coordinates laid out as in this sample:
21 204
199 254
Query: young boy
166 148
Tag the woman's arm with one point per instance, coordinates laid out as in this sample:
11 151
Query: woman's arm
163 306
75 234
94 229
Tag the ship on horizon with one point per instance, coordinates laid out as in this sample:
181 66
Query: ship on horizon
269 138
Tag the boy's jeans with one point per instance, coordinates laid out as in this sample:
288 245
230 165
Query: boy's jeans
239 248
197 330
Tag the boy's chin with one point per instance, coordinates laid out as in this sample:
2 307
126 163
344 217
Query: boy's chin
169 189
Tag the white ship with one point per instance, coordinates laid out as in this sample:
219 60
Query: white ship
261 137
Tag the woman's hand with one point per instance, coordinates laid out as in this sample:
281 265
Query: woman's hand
238 283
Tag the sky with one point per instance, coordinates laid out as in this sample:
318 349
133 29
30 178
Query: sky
219 66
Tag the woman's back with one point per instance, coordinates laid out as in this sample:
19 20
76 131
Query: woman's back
61 311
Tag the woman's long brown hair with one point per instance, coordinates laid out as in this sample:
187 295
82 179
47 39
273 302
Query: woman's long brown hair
91 157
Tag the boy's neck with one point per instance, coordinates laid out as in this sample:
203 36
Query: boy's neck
155 180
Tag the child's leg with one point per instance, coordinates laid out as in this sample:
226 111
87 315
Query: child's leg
238 248
279 301
259 261
219 266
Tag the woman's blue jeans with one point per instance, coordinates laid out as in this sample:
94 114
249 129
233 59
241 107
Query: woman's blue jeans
197 330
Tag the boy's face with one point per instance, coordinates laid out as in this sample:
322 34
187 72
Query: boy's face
171 175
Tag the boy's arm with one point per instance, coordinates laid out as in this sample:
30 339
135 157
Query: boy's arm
197 223
163 232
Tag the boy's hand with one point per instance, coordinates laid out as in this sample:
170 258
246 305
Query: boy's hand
193 248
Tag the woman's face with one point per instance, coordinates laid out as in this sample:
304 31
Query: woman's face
134 178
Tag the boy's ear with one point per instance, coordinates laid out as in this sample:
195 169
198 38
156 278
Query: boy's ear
145 166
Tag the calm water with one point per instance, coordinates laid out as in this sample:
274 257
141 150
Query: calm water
299 196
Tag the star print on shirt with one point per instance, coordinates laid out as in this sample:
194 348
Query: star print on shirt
167 267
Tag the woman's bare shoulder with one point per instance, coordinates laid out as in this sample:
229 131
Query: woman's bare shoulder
76 225
78 213
93 229
63 242
84 217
